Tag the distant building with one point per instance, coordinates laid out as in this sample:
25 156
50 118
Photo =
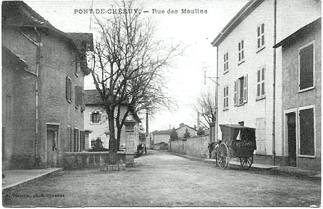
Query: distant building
182 129
250 82
302 96
161 136
96 121
43 73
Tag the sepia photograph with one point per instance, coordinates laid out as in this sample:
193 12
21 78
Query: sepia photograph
161 103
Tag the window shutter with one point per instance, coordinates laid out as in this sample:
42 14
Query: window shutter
306 122
306 67
245 89
99 117
78 95
235 95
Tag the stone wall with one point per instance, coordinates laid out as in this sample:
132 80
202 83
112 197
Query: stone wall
79 160
194 146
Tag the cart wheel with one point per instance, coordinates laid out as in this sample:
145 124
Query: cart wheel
223 156
246 162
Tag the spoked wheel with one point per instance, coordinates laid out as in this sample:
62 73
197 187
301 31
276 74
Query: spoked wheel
246 162
223 156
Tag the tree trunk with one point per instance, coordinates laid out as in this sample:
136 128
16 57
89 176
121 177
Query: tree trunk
113 157
118 138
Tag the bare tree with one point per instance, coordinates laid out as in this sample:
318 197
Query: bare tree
205 105
128 68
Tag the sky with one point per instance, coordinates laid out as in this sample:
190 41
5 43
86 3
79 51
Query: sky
195 32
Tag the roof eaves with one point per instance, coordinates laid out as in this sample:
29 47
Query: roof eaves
299 31
243 13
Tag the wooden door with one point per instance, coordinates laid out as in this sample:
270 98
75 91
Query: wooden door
52 147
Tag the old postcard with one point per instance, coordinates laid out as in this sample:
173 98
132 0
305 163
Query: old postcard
136 103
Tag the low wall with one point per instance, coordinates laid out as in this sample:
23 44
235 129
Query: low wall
193 146
78 160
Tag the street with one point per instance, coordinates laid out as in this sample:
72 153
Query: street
163 179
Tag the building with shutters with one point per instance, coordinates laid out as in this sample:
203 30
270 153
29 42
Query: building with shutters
301 94
43 73
250 74
97 123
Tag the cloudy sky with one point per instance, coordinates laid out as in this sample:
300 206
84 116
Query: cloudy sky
185 79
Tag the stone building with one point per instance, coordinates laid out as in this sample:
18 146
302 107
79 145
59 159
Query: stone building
182 129
301 95
42 89
250 70
97 123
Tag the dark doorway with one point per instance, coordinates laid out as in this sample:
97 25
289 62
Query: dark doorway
291 137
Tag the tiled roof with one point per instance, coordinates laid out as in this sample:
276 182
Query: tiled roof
80 38
92 97
19 14
187 126
162 132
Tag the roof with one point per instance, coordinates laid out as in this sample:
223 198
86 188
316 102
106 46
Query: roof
19 14
7 51
92 97
236 20
302 31
183 124
236 126
162 132
83 38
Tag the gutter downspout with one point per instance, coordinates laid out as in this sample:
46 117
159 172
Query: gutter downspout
38 56
216 96
274 85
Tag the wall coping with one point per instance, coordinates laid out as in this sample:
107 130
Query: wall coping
95 153
193 137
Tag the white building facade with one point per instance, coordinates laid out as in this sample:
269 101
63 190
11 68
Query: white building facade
250 69
97 123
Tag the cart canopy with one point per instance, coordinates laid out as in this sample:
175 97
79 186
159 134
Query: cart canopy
231 131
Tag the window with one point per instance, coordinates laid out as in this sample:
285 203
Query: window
306 123
261 83
68 89
226 98
241 51
261 36
241 91
306 67
95 117
76 140
226 62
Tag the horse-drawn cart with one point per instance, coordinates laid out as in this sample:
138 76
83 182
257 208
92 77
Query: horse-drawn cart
237 142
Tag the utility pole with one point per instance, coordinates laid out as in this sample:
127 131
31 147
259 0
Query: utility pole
214 80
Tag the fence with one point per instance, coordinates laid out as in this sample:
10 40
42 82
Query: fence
195 146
